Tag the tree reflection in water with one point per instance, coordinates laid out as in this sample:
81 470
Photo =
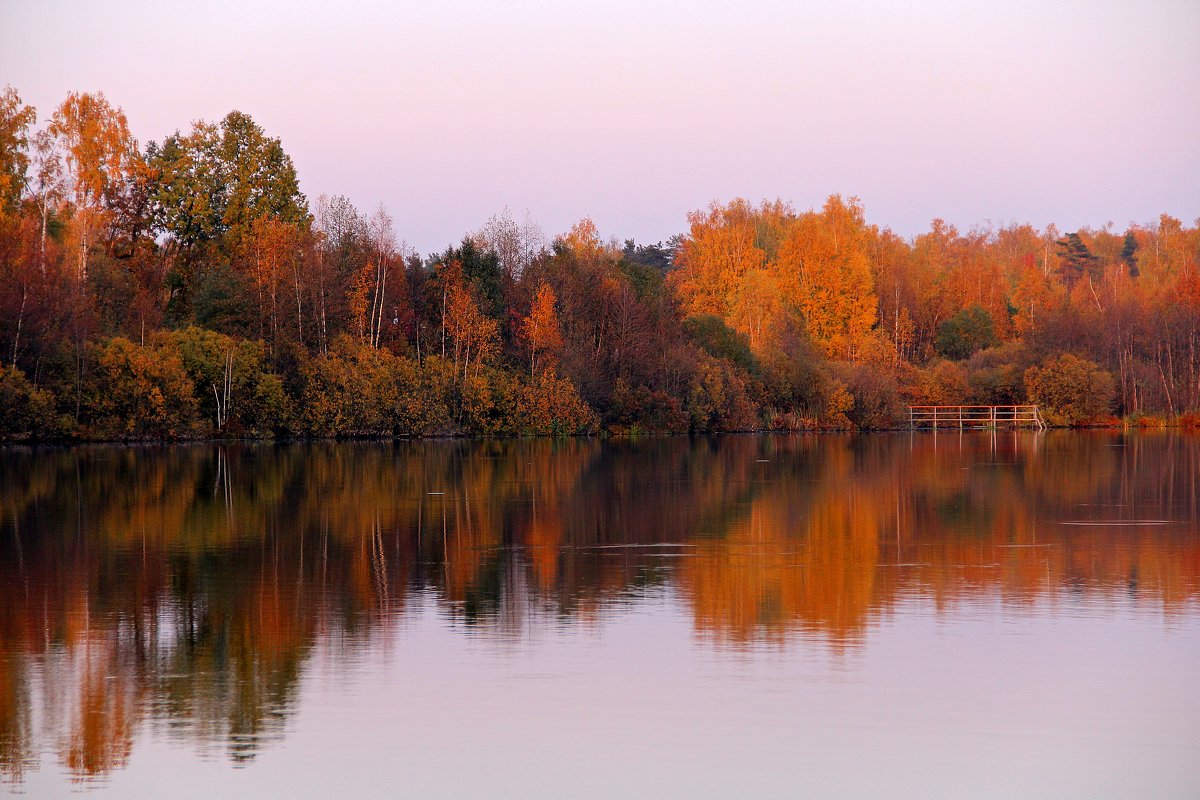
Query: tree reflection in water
184 588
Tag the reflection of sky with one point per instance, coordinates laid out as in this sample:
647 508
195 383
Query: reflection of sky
984 701
636 112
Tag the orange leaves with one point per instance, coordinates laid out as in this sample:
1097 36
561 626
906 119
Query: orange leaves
99 147
719 251
15 121
825 269
541 327
1032 295
753 266
584 241
273 247
551 406
360 288
757 304
100 158
139 391
474 333
1188 289
1071 390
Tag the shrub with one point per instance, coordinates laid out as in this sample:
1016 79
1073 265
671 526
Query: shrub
717 399
641 410
138 392
488 401
28 411
876 397
551 406
1189 420
351 392
939 383
996 375
838 405
710 333
253 401
1071 390
423 397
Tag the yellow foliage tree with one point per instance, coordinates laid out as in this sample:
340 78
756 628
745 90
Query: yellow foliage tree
541 327
100 156
473 331
718 252
824 269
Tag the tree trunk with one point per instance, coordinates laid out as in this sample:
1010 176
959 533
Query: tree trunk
20 319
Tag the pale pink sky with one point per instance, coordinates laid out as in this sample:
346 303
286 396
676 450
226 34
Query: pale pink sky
636 111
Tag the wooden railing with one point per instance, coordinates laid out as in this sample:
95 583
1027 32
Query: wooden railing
975 417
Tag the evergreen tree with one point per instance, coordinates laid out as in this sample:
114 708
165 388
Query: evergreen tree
1077 260
1129 254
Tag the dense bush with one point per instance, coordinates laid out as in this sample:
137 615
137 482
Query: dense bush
997 375
237 393
138 392
551 406
710 333
938 383
1071 390
25 410
642 410
423 398
718 401
353 391
877 404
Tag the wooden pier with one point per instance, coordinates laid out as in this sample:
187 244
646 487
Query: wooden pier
975 417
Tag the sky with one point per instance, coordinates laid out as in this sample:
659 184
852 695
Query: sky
635 112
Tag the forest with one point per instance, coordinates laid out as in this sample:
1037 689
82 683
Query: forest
187 288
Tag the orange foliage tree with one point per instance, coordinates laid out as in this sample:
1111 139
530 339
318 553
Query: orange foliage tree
541 328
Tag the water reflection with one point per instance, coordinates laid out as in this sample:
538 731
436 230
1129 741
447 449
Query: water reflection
184 589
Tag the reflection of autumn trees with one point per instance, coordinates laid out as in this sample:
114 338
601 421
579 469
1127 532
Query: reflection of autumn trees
17 751
191 585
842 529
100 705
803 555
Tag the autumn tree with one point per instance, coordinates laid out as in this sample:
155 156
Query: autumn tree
210 188
99 157
273 259
472 332
825 270
16 119
718 251
541 328
370 305
514 244
967 331
16 267
1076 261
47 183
258 176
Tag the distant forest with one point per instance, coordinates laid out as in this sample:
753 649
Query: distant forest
188 289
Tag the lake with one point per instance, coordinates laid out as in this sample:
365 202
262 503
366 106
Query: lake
1003 614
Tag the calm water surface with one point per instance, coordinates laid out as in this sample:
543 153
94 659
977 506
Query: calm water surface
1008 615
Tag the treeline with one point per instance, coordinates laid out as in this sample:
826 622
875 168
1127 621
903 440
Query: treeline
187 288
